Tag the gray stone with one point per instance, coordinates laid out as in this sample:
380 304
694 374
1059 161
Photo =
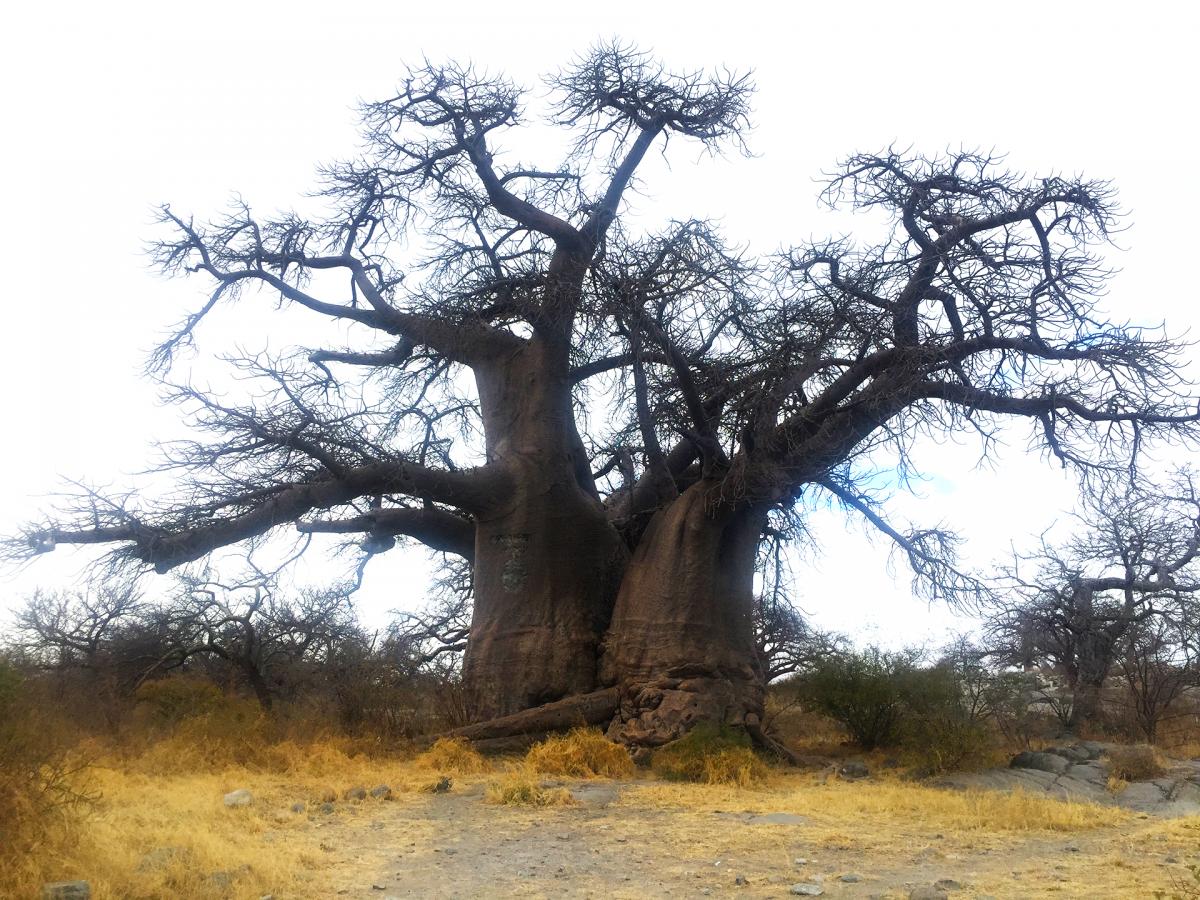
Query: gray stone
298 807
741 881
1093 749
851 878
927 892
947 884
356 794
443 785
240 797
1042 762
852 771
66 890
381 792
326 808
807 889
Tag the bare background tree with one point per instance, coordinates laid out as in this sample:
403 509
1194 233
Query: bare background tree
1127 574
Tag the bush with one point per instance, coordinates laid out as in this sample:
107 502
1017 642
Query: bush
710 754
939 731
520 787
1139 762
169 701
40 778
453 755
582 753
864 691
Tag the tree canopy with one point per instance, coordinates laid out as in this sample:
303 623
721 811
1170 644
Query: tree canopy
603 420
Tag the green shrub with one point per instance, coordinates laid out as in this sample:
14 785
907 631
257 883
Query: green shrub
710 754
864 691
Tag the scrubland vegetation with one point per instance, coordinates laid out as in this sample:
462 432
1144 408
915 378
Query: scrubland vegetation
124 787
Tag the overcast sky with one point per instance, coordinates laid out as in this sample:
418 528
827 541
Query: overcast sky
114 108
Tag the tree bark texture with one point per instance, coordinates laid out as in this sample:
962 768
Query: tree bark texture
681 647
547 561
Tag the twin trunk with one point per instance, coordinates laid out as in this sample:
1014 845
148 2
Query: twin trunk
560 611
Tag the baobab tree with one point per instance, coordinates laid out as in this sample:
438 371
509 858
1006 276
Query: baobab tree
1131 569
493 302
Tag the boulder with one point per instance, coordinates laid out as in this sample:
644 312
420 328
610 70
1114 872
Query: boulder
356 794
852 771
1041 762
381 792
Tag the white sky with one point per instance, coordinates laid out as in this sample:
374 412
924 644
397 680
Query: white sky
113 108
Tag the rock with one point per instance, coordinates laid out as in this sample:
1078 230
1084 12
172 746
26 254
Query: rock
799 861
947 884
741 881
1041 762
240 797
851 878
806 889
298 807
1093 749
442 786
927 892
852 771
379 887
66 890
356 794
326 808
381 792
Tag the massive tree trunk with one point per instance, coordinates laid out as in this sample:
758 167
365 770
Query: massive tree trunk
547 561
681 645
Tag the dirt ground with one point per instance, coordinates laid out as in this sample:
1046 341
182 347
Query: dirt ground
632 839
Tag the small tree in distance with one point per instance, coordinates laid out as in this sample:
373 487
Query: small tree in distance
613 557
1131 569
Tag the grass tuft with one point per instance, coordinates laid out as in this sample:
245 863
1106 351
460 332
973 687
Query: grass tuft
711 754
582 753
1139 762
520 786
454 755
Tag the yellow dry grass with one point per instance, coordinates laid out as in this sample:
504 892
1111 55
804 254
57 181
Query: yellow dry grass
838 802
159 833
521 786
581 753
453 756
1139 762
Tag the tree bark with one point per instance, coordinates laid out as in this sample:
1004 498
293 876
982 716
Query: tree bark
681 645
547 561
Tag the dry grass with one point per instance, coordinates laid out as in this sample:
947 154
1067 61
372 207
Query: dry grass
520 786
454 756
582 753
881 802
1140 762
710 756
161 830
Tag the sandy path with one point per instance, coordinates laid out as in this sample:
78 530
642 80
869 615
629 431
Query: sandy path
613 845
